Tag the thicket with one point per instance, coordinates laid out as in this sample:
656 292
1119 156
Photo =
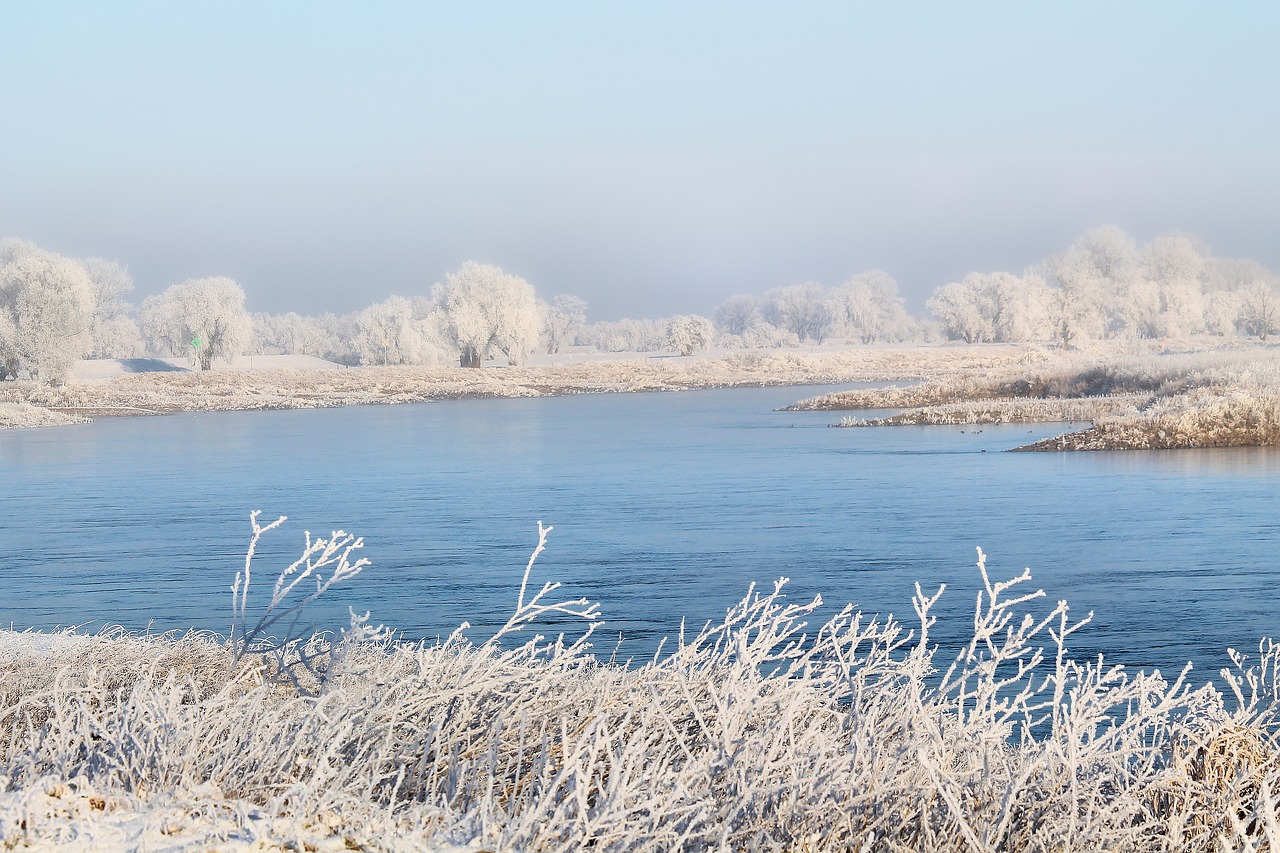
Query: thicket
774 728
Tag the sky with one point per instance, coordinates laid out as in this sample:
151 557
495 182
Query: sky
652 158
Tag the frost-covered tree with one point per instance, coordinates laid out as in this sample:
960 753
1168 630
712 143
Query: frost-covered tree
995 306
115 334
962 309
689 333
868 307
396 331
203 317
736 314
562 320
1165 298
46 302
1085 282
520 325
625 335
1259 310
801 309
483 308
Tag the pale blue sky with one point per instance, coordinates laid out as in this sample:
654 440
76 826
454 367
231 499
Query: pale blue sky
652 158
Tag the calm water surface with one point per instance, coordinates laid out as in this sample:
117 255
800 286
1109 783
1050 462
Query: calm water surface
664 506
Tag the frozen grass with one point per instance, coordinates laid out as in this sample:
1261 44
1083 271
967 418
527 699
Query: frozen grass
157 393
1221 398
773 729
26 416
1008 411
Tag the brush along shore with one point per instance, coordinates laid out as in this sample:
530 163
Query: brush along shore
235 390
1221 398
773 729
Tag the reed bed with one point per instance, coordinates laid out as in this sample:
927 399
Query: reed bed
223 390
1221 398
776 728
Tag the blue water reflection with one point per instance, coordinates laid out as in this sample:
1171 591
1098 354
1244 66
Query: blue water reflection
665 506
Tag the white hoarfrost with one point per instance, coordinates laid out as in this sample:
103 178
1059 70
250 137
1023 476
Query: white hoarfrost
689 333
782 726
46 313
204 318
485 309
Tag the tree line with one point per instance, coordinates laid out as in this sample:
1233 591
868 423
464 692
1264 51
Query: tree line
55 310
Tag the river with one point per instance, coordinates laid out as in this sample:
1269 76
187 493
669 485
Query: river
665 506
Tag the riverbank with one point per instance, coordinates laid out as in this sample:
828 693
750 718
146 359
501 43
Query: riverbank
162 392
744 736
1227 397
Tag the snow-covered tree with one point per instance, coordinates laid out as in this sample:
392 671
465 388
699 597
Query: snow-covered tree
801 309
736 314
115 334
868 307
959 307
562 320
996 306
1166 297
395 331
1259 310
203 317
520 325
46 302
625 335
483 307
689 333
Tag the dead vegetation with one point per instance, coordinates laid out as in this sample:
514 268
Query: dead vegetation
773 729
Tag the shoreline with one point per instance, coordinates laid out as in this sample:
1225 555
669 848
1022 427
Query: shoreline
145 394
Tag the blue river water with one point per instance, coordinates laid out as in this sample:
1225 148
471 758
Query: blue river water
665 507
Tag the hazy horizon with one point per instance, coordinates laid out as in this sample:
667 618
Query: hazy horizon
652 160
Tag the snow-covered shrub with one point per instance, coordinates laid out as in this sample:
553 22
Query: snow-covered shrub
773 728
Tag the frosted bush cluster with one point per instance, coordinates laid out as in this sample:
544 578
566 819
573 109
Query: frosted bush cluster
773 728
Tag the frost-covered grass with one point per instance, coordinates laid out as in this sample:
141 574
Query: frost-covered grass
162 392
1007 411
777 728
1220 398
26 415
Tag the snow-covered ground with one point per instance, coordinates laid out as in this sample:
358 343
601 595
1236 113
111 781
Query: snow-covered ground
158 386
776 729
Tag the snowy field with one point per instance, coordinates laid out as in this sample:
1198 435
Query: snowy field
772 729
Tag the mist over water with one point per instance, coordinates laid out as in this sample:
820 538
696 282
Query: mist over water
664 506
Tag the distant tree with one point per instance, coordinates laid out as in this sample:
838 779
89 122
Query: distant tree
963 310
869 308
996 306
46 302
801 309
204 317
394 331
1166 296
520 325
1259 310
625 335
562 320
736 314
1088 285
114 332
689 333
483 307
